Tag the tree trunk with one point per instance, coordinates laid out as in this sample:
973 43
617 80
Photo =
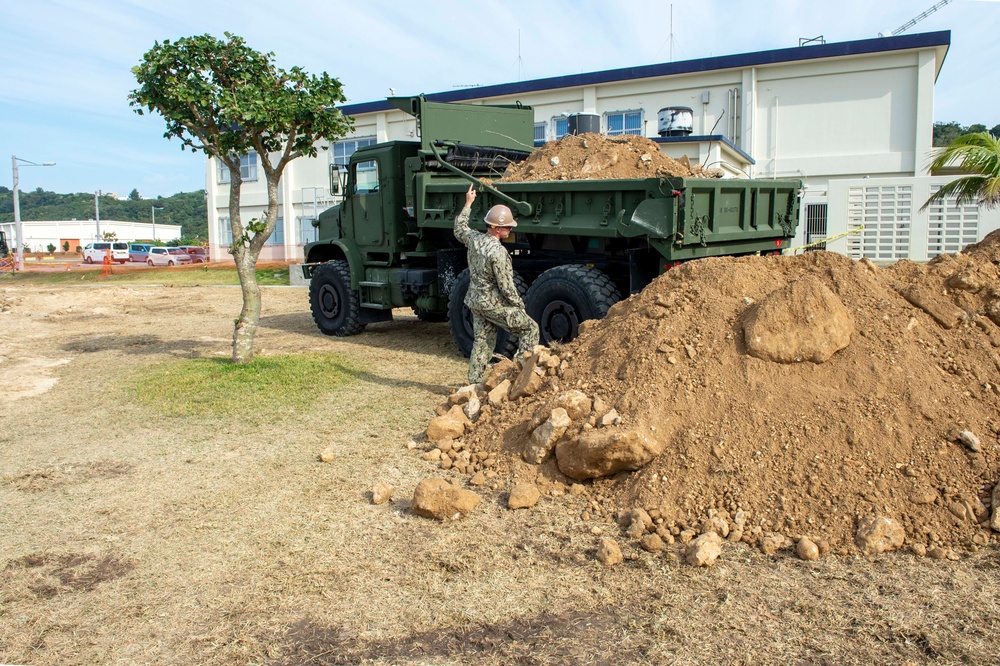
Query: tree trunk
246 324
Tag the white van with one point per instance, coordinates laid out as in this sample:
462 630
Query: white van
95 252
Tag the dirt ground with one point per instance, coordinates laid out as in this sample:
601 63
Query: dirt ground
131 536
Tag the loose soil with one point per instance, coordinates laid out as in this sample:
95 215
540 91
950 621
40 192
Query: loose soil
600 157
134 536
799 449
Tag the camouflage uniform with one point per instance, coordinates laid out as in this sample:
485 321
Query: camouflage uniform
492 298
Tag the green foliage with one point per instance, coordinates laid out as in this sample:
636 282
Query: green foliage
65 246
945 133
109 236
186 209
134 195
268 387
50 247
976 154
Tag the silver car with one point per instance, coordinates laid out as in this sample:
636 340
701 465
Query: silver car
167 256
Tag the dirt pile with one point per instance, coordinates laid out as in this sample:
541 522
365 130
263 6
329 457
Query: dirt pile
599 157
894 437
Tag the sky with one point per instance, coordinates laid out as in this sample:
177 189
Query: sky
65 65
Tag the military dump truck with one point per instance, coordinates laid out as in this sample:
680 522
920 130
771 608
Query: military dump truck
578 247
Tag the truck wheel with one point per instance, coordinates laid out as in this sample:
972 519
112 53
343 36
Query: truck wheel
88 260
563 297
335 306
460 317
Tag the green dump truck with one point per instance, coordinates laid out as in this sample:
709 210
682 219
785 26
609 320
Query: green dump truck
578 247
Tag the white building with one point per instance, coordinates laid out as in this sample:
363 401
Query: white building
852 120
38 235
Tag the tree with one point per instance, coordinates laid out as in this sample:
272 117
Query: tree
975 154
134 195
225 99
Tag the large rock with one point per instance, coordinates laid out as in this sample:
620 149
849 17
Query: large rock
450 425
523 496
995 501
943 311
878 534
543 438
436 498
704 551
596 453
609 553
528 381
803 321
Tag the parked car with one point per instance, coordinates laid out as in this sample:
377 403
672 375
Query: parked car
139 251
95 252
199 255
167 256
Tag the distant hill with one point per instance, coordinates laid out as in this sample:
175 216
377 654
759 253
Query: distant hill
186 209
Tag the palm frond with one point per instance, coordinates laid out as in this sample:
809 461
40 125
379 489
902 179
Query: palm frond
977 154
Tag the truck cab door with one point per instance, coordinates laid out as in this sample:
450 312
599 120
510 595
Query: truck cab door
366 204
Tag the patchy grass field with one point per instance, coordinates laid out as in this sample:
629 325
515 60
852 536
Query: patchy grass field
160 506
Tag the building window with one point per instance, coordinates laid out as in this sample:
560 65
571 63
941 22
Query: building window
815 227
340 152
539 133
225 231
623 122
248 168
560 125
307 232
277 236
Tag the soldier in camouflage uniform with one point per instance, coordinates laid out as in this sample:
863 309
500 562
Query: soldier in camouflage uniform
492 296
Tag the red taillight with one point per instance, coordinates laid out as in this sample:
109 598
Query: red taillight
777 243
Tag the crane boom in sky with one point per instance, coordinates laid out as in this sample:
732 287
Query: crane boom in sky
916 19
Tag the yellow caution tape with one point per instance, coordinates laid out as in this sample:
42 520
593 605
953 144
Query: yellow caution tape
822 242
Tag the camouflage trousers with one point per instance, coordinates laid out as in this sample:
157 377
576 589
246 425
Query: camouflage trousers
485 326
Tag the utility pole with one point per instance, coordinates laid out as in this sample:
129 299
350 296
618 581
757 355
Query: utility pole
14 159
97 212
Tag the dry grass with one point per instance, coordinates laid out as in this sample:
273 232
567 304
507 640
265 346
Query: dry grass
139 532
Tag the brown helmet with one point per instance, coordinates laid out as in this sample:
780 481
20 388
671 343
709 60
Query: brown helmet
500 216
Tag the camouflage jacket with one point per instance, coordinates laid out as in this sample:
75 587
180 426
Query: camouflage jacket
492 283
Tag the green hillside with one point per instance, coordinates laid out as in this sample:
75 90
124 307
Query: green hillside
186 209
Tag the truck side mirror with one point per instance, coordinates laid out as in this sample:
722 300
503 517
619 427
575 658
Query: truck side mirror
335 179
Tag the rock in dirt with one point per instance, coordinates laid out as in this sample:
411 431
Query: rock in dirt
940 309
450 425
382 492
498 394
878 534
970 440
543 438
528 381
807 550
523 496
598 453
499 371
803 321
609 553
327 454
436 498
651 543
703 551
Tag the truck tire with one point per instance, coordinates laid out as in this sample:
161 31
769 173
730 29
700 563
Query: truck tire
563 297
334 304
460 317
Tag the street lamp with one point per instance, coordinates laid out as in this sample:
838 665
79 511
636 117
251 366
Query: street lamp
153 210
14 159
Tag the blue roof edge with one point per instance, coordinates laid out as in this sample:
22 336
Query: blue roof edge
776 56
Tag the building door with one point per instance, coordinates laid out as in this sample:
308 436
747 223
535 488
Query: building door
815 226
